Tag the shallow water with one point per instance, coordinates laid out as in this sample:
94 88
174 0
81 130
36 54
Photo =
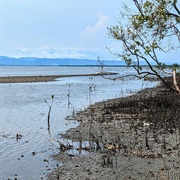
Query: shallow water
49 70
24 111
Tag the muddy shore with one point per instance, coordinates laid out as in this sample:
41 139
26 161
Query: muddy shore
26 79
135 137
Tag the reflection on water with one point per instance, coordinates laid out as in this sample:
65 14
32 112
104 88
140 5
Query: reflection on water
24 112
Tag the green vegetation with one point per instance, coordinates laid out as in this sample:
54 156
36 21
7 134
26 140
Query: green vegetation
145 31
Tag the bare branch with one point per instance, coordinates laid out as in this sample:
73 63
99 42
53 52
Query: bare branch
175 7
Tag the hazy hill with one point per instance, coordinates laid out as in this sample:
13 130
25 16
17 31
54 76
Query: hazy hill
33 61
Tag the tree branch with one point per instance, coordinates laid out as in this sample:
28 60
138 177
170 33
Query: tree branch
175 6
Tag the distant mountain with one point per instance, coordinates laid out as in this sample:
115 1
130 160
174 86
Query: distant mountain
33 61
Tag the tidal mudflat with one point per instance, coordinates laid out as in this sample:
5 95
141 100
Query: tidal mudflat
27 146
136 137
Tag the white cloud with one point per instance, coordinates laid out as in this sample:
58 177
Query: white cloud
57 52
91 31
23 51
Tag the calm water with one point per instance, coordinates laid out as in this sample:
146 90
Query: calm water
47 70
24 111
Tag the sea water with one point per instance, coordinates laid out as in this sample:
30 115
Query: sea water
25 107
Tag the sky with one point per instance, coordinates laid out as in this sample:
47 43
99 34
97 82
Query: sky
59 28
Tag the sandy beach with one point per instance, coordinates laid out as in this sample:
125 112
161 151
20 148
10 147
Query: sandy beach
135 137
27 79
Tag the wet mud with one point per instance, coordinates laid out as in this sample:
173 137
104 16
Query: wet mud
135 137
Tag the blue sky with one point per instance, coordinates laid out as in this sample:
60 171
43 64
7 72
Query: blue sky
59 28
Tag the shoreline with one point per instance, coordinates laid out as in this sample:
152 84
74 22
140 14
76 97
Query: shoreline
127 139
29 79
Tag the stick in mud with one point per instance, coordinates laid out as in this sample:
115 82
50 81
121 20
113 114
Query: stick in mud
49 112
